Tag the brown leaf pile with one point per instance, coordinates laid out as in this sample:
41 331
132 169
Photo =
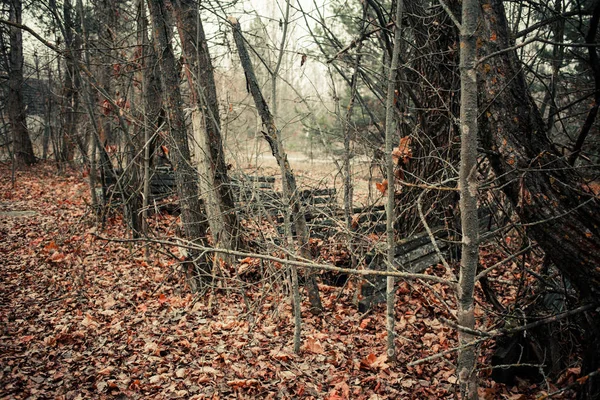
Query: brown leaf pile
82 318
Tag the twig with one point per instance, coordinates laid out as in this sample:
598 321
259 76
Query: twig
578 381
450 14
432 238
499 263
428 187
503 332
186 244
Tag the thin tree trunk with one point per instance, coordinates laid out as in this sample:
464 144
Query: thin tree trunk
143 43
217 191
275 72
347 124
272 136
106 70
467 356
186 178
557 59
289 180
390 134
22 147
49 116
96 145
72 85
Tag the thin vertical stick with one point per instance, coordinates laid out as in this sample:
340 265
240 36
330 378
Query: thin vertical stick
390 130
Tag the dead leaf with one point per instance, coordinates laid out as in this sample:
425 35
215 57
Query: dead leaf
403 152
313 346
382 187
243 383
106 371
89 322
374 362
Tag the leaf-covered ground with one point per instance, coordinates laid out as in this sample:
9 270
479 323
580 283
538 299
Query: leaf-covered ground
83 318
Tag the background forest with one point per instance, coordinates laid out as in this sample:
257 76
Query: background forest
349 199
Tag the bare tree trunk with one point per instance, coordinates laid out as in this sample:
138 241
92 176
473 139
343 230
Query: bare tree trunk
217 191
272 137
71 85
49 116
467 356
96 145
390 133
142 25
547 194
22 147
186 178
105 79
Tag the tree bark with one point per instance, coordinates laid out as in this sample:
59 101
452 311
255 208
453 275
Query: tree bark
22 146
467 356
550 198
217 193
71 85
390 134
186 178
547 194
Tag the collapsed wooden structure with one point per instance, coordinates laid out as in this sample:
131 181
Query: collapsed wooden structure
256 196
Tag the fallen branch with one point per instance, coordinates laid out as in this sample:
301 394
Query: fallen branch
186 244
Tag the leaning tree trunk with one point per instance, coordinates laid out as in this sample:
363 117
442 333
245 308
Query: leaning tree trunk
549 196
216 187
272 136
22 147
186 178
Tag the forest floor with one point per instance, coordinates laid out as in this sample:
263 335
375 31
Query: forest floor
85 318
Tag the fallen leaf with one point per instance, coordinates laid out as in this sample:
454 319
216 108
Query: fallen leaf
313 346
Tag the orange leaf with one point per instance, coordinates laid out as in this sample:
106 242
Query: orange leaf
162 298
27 338
372 361
382 187
403 151
243 383
314 346
57 257
355 221
51 246
165 150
